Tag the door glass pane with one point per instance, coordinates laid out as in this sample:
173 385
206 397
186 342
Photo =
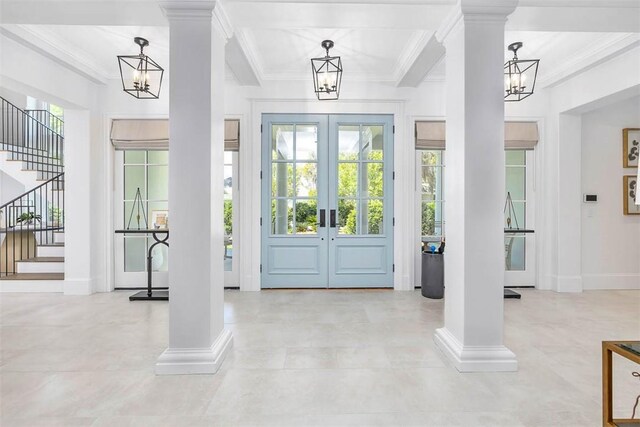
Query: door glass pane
134 179
516 217
282 142
348 179
372 142
282 181
348 142
514 247
306 179
160 157
306 142
429 218
306 216
160 261
516 182
134 157
372 216
135 253
228 211
158 182
282 216
347 216
374 179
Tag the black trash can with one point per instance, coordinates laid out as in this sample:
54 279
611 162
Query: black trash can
432 275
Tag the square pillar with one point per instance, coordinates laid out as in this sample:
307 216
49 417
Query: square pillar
78 275
198 341
475 180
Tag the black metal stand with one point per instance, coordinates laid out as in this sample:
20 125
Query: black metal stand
509 294
150 294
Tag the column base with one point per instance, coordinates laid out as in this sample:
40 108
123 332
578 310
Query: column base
475 358
78 287
186 361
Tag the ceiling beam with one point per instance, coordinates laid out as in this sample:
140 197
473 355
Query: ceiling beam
240 63
576 19
423 62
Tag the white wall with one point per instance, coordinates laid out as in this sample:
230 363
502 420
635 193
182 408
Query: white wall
610 240
9 188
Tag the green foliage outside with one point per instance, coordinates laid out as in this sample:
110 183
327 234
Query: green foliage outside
228 217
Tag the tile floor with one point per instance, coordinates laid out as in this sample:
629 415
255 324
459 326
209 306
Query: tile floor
309 358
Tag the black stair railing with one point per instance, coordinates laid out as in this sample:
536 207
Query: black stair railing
28 221
45 117
39 147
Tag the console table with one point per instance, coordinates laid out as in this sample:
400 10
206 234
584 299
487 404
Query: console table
513 232
150 294
629 350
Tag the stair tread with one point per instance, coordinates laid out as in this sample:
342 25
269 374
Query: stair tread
34 276
44 259
55 245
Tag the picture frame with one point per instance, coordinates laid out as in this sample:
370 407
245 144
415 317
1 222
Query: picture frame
630 188
160 219
630 147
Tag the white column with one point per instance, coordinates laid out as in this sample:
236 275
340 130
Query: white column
569 231
77 207
474 192
198 341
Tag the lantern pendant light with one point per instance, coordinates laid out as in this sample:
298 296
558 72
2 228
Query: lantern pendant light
327 74
519 75
141 76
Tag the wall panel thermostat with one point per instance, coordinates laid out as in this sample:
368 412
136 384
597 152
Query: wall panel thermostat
590 198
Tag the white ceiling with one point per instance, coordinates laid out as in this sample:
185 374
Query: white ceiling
378 40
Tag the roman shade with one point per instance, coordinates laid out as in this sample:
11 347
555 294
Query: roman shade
153 134
517 135
129 134
232 135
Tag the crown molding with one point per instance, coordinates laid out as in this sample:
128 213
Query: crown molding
50 45
248 47
221 19
612 46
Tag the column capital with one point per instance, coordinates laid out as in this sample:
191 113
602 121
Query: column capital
476 11
188 9
208 10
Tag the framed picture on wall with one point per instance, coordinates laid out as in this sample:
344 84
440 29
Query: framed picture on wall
160 219
630 186
630 147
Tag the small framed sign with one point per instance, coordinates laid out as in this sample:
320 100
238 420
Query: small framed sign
630 186
630 147
160 219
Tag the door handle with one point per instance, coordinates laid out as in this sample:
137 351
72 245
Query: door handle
323 221
332 218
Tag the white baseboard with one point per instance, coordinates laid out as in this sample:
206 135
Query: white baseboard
185 361
610 281
27 286
78 287
475 358
568 284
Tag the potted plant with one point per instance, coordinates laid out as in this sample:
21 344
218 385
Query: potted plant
28 218
55 216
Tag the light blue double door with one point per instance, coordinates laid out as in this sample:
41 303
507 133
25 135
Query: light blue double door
327 201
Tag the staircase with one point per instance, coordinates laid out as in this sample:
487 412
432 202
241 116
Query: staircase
32 224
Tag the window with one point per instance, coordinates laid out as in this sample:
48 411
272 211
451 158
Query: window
148 172
431 168
515 215
228 210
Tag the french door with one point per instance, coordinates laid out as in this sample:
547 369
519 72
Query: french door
327 201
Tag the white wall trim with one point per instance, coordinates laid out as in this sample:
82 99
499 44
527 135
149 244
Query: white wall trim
568 283
403 163
475 358
25 286
185 361
610 281
78 287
